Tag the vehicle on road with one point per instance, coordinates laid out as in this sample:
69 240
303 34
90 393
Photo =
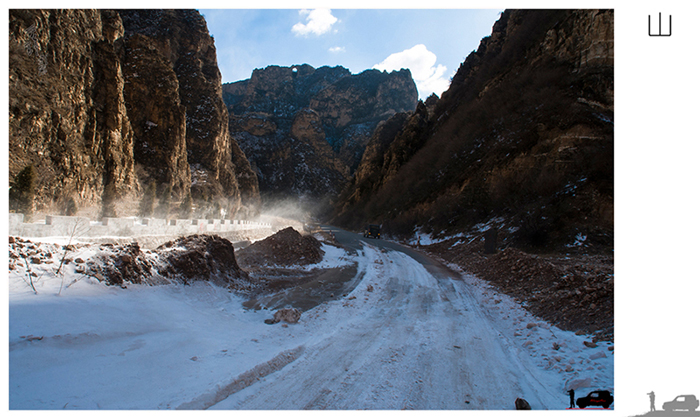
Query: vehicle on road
682 402
595 399
373 230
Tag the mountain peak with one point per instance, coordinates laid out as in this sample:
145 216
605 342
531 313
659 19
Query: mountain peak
325 115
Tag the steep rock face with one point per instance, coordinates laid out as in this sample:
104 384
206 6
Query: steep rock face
392 144
182 48
522 138
158 119
305 129
103 102
67 113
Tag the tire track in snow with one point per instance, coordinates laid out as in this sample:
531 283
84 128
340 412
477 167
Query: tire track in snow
417 341
244 380
510 370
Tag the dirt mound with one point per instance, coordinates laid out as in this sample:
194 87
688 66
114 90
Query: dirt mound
119 264
285 248
573 291
200 257
191 258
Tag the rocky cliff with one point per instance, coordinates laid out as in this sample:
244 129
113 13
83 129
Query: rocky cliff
305 129
522 141
63 117
103 102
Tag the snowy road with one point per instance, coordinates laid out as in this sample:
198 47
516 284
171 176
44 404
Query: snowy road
411 335
415 341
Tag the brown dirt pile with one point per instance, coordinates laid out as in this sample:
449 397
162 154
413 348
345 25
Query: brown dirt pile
187 259
572 291
201 257
122 264
285 248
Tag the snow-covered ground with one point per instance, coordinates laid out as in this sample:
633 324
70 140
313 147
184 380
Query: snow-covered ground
402 339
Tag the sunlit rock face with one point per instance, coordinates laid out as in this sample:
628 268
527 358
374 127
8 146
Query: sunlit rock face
108 101
305 129
67 114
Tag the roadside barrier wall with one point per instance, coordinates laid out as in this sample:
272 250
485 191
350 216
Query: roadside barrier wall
124 227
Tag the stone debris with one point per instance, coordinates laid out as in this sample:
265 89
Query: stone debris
572 291
521 404
289 315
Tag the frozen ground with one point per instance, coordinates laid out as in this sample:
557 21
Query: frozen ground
404 338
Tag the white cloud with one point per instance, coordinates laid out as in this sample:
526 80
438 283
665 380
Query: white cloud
429 78
319 21
336 49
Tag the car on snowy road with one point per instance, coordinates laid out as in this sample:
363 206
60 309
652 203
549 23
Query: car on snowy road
596 399
682 402
373 230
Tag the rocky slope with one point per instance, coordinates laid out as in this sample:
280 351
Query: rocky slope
67 114
103 102
521 141
573 291
305 129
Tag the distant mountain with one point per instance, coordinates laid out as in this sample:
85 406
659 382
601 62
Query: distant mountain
102 102
304 130
521 141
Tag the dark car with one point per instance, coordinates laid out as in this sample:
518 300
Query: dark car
595 399
682 402
373 230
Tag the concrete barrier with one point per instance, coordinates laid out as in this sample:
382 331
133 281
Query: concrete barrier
35 230
15 225
182 222
97 230
68 225
154 222
130 226
118 222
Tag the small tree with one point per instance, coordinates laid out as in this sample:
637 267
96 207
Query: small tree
148 200
22 191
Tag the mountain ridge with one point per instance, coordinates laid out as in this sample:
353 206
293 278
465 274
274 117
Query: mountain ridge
305 129
522 140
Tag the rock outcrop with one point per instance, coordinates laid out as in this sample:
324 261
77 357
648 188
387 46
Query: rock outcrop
305 129
574 291
103 102
524 135
521 404
289 315
67 114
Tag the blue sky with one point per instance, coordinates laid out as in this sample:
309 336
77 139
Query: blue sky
432 43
